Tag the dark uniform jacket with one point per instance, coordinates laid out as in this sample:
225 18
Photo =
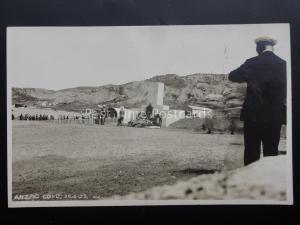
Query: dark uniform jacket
265 100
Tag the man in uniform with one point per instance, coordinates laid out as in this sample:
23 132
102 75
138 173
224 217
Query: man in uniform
264 108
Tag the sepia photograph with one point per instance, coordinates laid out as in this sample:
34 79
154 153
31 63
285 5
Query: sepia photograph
149 115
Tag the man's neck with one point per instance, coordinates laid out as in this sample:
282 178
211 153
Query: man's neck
268 49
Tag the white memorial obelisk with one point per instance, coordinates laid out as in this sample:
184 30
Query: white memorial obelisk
156 98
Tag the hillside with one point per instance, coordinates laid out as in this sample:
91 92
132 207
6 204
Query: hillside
212 90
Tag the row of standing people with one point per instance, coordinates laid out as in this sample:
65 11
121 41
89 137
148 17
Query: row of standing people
42 117
33 117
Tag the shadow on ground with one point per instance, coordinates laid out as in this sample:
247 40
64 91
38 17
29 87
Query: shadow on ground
195 171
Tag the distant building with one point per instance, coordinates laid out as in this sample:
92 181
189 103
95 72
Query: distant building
214 97
197 111
44 104
87 113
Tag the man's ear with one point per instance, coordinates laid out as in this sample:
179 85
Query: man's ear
260 48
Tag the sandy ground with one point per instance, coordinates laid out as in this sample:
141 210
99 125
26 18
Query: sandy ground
258 181
73 161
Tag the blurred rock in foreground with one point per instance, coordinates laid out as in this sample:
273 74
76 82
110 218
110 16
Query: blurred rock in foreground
262 180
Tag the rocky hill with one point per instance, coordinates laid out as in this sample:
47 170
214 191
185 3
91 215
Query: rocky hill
212 90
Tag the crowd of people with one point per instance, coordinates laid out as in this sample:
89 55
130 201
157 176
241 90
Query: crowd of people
34 117
42 117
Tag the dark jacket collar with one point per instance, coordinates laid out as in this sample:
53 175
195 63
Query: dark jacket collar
267 53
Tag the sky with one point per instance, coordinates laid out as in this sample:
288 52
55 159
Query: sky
64 57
